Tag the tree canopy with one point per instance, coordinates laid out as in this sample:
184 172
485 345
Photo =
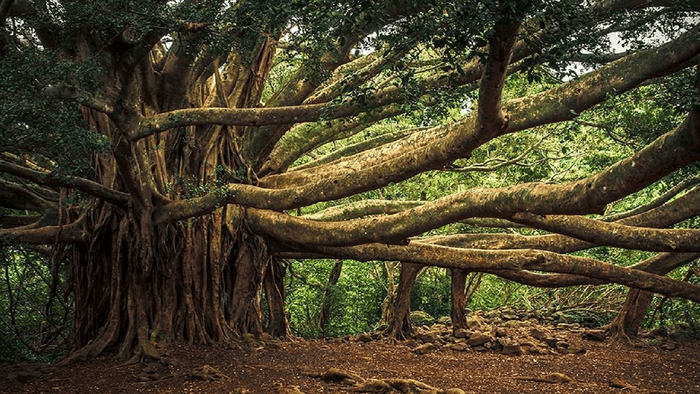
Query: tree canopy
172 154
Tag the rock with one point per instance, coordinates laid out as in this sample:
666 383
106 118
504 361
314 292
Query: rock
364 337
475 321
207 373
426 348
481 349
500 333
478 339
461 333
428 336
569 348
421 318
622 384
455 391
538 350
594 335
289 390
538 334
512 350
459 347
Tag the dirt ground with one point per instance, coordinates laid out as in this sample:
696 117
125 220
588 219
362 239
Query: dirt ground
353 364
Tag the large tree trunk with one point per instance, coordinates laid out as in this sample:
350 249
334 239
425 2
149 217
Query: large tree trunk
193 282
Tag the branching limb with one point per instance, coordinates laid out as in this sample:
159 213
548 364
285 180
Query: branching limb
486 260
410 156
666 215
241 117
589 195
568 100
363 208
614 234
72 233
16 196
359 147
84 98
660 200
50 179
304 138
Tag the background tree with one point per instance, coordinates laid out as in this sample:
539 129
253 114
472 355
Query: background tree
161 147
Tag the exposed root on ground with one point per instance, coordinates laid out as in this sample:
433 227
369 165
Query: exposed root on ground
361 385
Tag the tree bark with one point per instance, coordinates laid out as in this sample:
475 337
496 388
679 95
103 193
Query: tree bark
327 302
278 325
628 321
458 307
400 326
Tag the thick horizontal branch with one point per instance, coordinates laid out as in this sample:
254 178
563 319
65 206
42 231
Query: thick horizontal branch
568 100
358 147
614 234
31 234
306 137
660 264
488 260
81 97
363 208
16 196
589 195
53 180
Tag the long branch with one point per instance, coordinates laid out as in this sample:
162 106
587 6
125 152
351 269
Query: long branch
408 157
614 234
589 195
668 153
50 179
486 260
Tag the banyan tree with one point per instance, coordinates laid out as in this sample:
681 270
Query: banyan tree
164 150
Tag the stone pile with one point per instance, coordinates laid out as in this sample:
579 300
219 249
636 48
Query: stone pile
504 330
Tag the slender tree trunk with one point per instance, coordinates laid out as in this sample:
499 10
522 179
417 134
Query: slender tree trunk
457 313
400 326
390 299
627 322
278 324
325 316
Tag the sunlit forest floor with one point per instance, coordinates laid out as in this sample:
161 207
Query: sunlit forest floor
433 361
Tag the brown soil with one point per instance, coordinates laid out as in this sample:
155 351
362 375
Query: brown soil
351 364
